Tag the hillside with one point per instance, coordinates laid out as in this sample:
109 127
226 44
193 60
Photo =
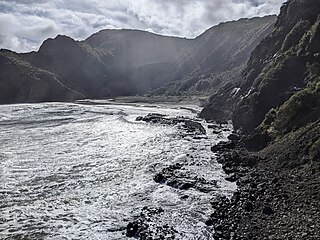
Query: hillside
128 62
283 64
275 109
22 82
217 56
279 93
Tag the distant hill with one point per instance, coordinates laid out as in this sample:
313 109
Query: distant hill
217 56
22 82
129 62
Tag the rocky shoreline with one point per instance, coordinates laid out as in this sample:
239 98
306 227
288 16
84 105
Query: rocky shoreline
179 175
270 202
191 126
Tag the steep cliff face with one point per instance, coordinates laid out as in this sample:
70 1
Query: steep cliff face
283 64
277 107
217 56
22 82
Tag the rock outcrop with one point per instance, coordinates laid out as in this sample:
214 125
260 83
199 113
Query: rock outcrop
282 64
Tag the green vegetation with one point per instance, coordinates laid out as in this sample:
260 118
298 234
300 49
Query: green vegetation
217 57
23 66
301 109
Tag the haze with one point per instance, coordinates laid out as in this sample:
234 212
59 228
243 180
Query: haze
24 25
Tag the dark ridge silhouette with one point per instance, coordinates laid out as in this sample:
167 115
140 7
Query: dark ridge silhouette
129 62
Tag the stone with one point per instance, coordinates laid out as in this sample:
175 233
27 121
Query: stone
234 137
267 210
248 206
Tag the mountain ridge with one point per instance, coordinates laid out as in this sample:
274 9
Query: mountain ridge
219 51
122 62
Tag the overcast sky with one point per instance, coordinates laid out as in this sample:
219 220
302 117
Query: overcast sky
25 24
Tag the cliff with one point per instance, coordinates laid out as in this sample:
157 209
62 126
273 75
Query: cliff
282 71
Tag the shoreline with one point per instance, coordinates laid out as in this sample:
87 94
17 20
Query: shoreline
156 99
270 202
176 100
180 176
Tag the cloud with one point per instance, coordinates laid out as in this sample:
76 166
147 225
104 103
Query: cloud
24 25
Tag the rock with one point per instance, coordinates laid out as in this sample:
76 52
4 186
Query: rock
216 131
147 225
256 141
172 182
186 185
218 227
267 210
209 222
177 176
140 118
185 197
234 137
233 177
132 229
190 126
221 146
159 178
248 206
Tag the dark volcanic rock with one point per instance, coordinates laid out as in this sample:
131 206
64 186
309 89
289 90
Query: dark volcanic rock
272 201
191 126
222 146
177 176
256 141
147 226
267 210
234 137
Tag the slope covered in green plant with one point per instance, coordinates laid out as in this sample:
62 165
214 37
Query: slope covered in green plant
217 56
283 64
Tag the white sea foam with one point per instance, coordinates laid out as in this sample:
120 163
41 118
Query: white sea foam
76 171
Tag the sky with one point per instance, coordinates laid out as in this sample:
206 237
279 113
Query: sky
25 24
